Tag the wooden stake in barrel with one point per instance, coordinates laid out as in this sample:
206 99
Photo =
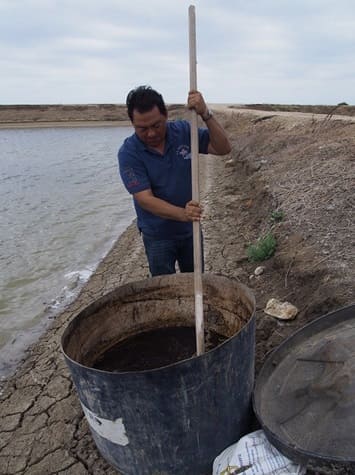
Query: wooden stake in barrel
199 323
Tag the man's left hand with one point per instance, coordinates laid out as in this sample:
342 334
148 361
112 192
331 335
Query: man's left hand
196 101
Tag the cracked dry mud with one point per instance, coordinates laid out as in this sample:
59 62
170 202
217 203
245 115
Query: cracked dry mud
301 164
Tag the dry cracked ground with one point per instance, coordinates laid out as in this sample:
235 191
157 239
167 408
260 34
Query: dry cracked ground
301 165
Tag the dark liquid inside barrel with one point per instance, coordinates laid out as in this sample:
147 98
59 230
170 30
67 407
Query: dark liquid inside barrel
154 349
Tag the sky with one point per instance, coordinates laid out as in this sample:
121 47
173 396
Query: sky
256 51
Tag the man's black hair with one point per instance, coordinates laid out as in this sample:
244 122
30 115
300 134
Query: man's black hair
143 99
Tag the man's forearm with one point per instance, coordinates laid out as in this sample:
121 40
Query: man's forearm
161 208
219 142
191 212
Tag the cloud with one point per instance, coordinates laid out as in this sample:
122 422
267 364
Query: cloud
262 50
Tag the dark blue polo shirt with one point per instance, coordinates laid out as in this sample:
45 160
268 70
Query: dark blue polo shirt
167 175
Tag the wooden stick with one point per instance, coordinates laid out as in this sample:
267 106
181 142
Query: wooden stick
199 323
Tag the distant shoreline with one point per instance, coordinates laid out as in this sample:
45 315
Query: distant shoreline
75 115
64 123
115 115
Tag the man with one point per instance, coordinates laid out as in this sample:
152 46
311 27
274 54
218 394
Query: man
155 167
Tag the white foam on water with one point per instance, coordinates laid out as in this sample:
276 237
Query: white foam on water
62 207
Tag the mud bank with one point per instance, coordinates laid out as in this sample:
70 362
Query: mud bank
302 166
65 115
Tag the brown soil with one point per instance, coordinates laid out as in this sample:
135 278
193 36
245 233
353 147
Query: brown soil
154 349
61 113
81 114
65 114
330 110
300 165
305 168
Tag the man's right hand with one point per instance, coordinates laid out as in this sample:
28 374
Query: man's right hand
159 207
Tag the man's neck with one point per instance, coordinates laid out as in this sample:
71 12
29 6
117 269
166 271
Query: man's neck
160 148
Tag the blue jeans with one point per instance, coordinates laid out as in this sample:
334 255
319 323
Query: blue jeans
162 255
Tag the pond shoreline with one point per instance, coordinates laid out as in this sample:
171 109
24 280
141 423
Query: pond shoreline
288 162
69 123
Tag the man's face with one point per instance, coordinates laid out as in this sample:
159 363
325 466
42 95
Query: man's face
150 127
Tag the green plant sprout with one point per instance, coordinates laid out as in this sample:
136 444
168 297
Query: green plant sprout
263 249
277 216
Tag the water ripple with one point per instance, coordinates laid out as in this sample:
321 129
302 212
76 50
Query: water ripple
62 204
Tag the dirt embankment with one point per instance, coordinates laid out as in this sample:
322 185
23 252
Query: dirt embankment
13 114
70 114
329 110
298 169
97 113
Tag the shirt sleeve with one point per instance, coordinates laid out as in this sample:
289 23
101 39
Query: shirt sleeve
203 135
132 171
203 140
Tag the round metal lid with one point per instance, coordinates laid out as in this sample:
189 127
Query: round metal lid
304 396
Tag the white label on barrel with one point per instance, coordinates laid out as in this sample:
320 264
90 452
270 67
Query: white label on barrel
114 431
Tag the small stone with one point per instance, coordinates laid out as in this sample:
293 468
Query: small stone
259 270
254 166
281 310
231 199
240 273
230 163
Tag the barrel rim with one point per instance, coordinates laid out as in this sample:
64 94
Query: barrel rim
155 280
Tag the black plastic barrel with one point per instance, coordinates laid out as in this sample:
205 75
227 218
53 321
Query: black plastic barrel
171 420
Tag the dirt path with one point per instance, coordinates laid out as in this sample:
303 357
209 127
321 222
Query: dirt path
303 167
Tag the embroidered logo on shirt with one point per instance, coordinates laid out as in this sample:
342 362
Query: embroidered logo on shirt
130 177
184 152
